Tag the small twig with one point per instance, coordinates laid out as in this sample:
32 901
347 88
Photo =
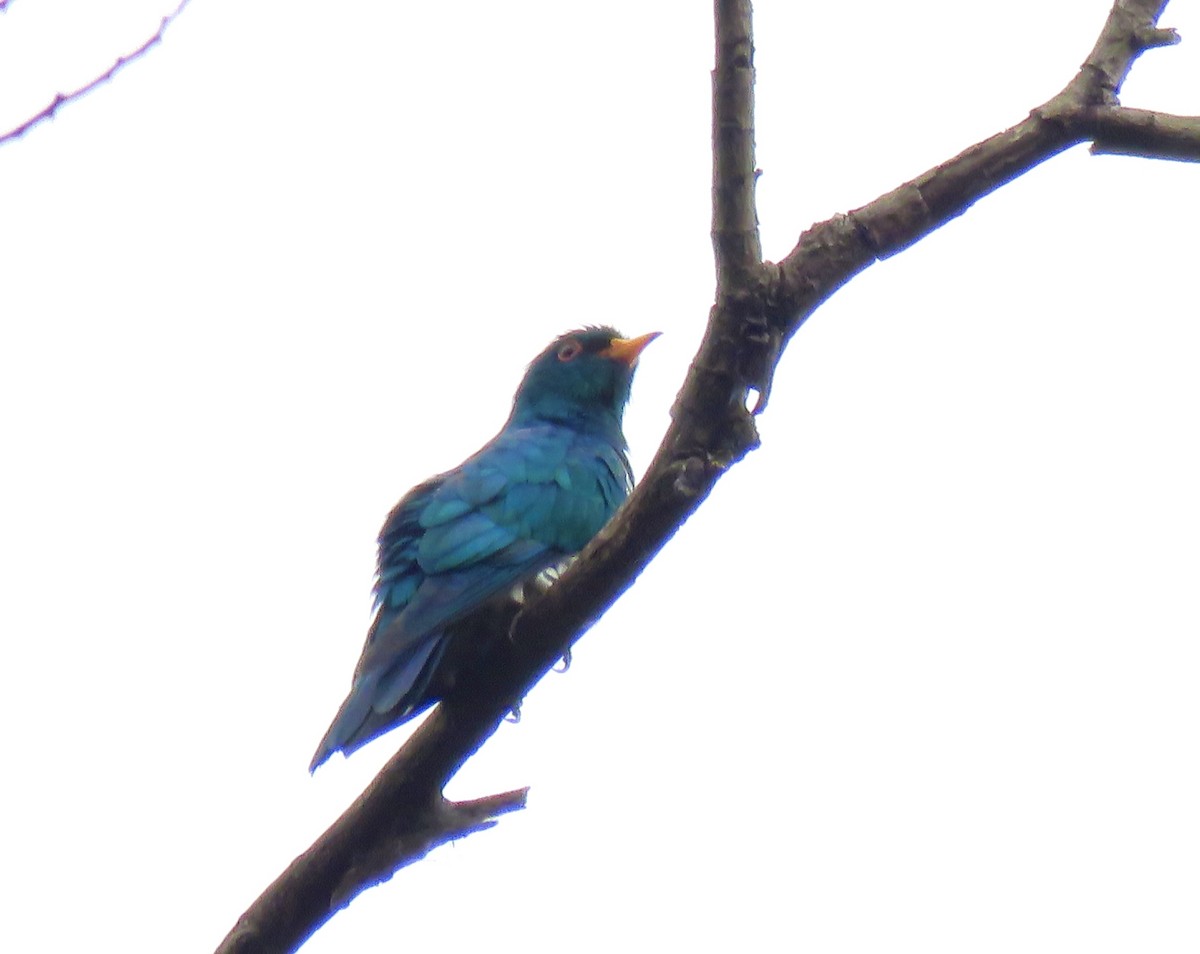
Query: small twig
1150 37
62 99
444 822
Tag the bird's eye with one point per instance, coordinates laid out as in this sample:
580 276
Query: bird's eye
570 351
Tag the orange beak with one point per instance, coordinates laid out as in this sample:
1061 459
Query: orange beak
626 350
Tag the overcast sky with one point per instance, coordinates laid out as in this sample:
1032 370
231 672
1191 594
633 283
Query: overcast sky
921 675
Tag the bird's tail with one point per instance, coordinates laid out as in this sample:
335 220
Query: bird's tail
349 719
380 700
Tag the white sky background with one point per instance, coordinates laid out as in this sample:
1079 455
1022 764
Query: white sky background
921 675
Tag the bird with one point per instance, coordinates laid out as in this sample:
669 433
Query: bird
525 503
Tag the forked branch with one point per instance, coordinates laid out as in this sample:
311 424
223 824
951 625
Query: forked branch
758 307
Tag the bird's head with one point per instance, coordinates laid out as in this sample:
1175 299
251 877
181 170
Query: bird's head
582 378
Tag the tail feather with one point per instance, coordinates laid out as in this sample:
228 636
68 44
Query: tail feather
349 719
380 700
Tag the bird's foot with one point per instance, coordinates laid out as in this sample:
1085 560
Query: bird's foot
564 663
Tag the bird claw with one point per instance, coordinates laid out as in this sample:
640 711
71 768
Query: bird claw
514 714
566 662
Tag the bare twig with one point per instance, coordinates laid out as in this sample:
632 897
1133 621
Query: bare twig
61 99
758 307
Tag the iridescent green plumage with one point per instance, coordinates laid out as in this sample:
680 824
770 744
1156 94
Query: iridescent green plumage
528 500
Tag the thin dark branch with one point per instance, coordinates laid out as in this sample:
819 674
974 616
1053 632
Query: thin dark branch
758 307
832 252
735 237
736 326
61 99
1120 131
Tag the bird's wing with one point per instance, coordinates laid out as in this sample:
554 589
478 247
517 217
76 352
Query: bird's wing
416 598
528 500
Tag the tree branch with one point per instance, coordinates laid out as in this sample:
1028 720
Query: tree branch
758 307
736 244
832 252
1120 131
425 828
61 99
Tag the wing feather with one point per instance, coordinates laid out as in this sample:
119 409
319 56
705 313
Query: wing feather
532 497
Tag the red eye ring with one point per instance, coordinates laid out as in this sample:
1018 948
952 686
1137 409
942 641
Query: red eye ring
570 351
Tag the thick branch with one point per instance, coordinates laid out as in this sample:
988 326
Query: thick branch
61 99
292 903
758 306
